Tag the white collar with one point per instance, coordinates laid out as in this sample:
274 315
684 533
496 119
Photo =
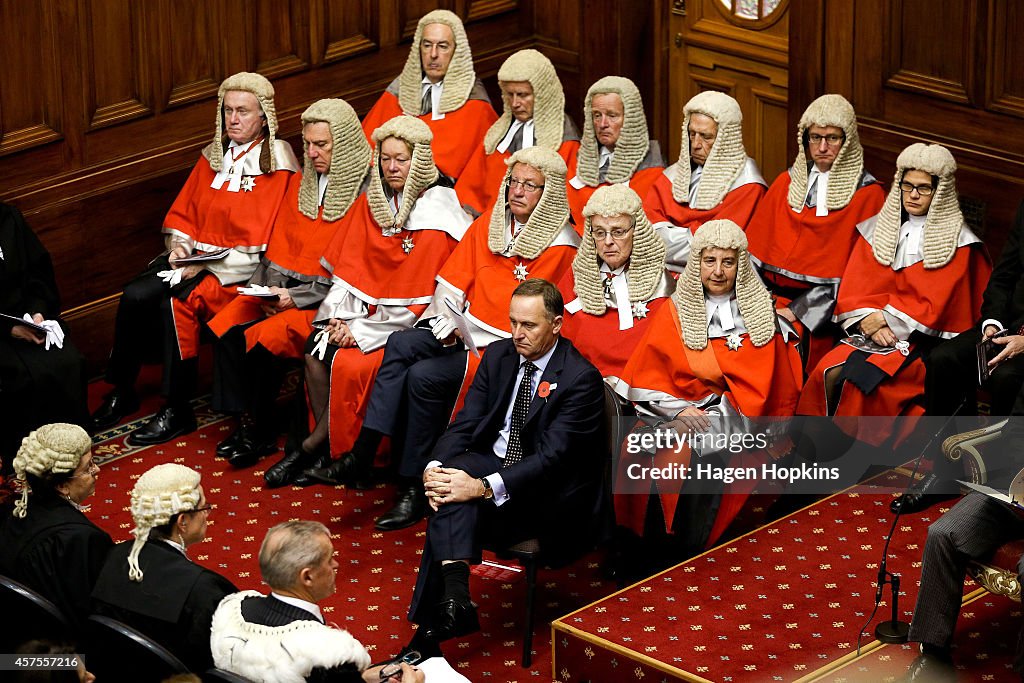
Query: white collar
321 181
620 287
722 304
527 127
605 154
177 546
310 607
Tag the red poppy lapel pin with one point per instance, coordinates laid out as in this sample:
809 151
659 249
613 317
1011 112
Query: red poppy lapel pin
545 389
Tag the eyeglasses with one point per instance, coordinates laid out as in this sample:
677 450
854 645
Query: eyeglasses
93 469
617 233
923 190
832 139
203 508
525 185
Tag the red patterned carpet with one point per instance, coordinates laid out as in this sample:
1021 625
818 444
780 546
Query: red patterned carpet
783 603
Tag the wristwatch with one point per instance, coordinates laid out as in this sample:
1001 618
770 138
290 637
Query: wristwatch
488 491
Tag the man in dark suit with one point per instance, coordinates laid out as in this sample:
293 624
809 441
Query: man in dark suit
521 460
951 382
973 529
283 635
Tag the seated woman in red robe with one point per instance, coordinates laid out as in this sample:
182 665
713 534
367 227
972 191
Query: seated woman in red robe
383 260
915 278
620 258
713 362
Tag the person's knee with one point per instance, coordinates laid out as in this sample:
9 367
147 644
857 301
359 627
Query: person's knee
407 345
428 380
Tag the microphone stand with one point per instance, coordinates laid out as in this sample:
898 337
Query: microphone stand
895 631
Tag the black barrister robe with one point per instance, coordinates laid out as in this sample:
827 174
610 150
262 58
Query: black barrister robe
173 604
36 386
56 551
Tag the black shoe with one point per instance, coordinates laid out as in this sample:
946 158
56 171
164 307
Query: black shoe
930 669
348 470
230 444
165 425
117 405
409 508
303 479
453 619
920 497
290 468
251 445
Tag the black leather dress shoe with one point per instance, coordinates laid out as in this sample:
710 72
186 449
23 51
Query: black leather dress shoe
930 669
289 468
348 470
920 497
165 425
453 619
303 479
230 444
409 508
250 447
117 405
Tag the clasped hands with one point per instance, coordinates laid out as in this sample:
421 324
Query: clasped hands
874 327
339 334
445 485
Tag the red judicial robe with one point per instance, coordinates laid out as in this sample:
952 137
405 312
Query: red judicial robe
598 337
754 381
480 180
295 248
456 136
380 273
797 250
938 302
738 205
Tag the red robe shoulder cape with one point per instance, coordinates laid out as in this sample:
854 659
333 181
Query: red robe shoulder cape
641 183
478 184
802 243
218 218
757 381
598 337
456 137
941 302
487 279
295 248
738 205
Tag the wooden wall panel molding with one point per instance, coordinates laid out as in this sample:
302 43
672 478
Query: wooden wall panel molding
918 62
281 41
1005 91
410 11
484 9
31 106
116 62
192 49
350 29
766 122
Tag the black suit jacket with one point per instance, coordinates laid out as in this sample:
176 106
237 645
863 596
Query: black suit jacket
1004 295
564 448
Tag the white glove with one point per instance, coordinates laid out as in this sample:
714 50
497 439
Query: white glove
322 338
442 327
256 290
171 277
54 333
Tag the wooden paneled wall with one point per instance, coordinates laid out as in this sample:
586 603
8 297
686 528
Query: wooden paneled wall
938 71
105 104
